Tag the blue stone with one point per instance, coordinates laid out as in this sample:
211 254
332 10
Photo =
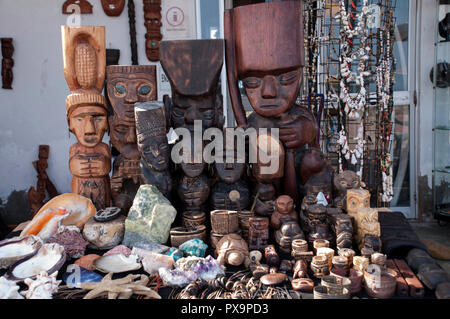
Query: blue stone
76 275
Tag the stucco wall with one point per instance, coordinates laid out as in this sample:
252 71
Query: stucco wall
33 112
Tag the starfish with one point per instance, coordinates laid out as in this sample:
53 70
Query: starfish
122 288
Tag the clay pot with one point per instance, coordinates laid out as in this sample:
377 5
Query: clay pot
193 218
328 252
180 235
347 253
224 221
319 243
340 266
382 285
335 284
299 246
322 292
303 285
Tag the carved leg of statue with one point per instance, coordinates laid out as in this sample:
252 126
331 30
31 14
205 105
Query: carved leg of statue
290 181
96 189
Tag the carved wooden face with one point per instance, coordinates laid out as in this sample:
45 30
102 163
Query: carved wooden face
357 198
284 204
230 172
89 124
273 93
187 109
190 168
266 191
154 151
346 180
153 23
113 8
259 223
44 151
194 191
123 136
7 48
126 89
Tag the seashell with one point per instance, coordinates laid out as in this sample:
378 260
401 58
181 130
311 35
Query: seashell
51 228
49 258
152 262
13 250
87 261
42 287
9 289
75 275
117 263
80 209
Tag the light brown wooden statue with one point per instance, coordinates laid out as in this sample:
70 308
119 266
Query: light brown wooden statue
357 198
84 68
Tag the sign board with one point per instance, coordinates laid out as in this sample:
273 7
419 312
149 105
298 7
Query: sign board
178 20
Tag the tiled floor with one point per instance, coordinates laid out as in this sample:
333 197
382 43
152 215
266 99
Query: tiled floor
433 231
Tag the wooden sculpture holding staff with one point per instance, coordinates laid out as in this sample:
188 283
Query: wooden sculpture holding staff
126 86
269 60
84 68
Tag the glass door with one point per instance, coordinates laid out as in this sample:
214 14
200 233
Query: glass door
403 116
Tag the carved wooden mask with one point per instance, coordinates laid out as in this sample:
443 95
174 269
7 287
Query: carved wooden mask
113 8
193 68
127 85
357 198
346 180
194 191
268 59
151 134
284 204
152 17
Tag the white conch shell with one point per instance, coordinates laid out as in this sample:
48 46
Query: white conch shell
9 289
43 287
52 227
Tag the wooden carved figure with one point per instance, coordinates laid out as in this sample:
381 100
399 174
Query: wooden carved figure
357 198
153 37
7 63
127 85
230 176
265 202
113 8
258 233
193 68
153 146
84 7
284 208
289 231
269 60
37 196
84 68
342 183
316 174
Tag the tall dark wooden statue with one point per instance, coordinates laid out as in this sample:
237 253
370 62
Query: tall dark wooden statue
132 24
269 60
127 85
153 146
84 68
152 21
7 63
193 68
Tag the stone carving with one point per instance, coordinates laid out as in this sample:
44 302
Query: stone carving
126 86
84 68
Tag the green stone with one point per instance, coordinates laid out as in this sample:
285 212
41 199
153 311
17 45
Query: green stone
150 218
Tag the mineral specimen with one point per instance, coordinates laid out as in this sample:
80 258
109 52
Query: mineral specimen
71 239
194 247
104 235
150 217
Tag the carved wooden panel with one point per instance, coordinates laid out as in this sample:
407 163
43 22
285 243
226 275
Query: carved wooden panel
152 17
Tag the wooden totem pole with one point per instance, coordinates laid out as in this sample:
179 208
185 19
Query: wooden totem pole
269 60
193 68
127 85
7 63
84 68
152 22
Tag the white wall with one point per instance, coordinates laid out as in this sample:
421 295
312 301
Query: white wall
34 112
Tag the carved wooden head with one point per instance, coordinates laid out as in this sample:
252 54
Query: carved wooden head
230 171
284 204
357 198
127 85
259 223
194 191
89 124
151 134
7 47
312 163
268 58
44 151
194 97
265 191
113 8
346 180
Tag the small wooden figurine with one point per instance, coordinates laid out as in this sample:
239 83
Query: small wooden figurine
113 8
342 183
84 68
153 145
127 85
37 196
272 258
233 250
289 231
258 233
265 201
284 208
153 37
194 97
84 5
7 63
270 66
